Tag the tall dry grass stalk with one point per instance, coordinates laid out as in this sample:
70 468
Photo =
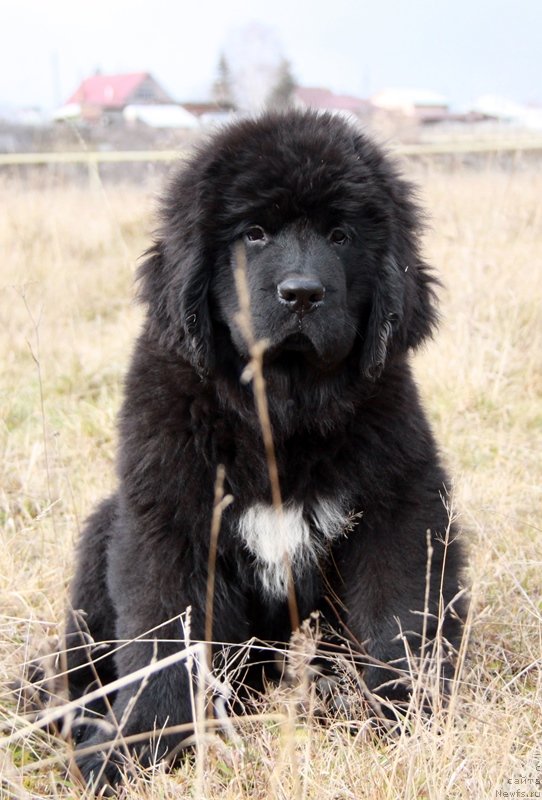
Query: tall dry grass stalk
66 277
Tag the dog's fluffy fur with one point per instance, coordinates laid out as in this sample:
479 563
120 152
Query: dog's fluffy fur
308 197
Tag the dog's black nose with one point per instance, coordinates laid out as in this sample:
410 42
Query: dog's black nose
301 294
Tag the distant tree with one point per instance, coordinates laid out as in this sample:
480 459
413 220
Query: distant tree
222 87
282 94
258 74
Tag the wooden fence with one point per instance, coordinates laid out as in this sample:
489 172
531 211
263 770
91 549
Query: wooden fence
93 158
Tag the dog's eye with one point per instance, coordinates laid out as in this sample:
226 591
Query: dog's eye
338 236
255 234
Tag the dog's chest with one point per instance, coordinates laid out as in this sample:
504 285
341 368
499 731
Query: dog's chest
293 538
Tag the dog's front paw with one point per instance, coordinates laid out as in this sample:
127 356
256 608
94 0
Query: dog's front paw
102 771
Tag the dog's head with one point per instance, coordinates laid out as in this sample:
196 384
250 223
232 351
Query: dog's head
330 235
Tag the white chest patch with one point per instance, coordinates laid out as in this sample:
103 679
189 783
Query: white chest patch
288 539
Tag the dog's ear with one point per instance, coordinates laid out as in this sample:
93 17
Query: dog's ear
174 284
403 311
403 304
385 317
176 272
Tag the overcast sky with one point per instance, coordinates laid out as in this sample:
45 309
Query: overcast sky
461 48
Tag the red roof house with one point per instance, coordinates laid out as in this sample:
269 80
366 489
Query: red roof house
108 94
325 99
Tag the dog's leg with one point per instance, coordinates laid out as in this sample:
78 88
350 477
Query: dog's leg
90 626
153 592
404 602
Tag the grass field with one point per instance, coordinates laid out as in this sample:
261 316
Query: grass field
67 323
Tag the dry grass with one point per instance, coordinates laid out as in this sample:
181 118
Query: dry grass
67 321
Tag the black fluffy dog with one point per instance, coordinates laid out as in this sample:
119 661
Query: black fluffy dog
339 291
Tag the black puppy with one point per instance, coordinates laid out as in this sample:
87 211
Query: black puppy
340 293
